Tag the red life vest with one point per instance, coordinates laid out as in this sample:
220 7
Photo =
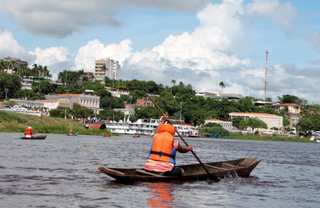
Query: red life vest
70 132
162 148
28 132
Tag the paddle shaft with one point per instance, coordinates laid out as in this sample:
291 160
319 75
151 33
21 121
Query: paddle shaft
194 154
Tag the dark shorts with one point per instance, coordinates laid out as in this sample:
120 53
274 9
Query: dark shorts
176 171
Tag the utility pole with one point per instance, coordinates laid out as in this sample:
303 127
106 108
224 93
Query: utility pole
65 110
266 77
181 110
6 92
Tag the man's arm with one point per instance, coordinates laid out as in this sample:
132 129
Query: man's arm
164 119
182 149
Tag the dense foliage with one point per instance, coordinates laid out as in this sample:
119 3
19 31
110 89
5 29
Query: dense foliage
178 101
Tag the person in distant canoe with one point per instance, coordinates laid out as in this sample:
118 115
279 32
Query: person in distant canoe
28 132
70 132
161 158
106 134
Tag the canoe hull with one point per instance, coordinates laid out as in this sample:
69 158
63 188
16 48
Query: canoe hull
232 168
39 137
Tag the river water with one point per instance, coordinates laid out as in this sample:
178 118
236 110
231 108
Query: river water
61 171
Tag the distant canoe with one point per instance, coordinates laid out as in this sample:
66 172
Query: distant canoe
232 168
39 137
76 134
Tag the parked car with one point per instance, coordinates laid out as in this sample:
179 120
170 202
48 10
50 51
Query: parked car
18 107
7 107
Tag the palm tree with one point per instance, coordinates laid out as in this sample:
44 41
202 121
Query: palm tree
173 81
10 65
221 84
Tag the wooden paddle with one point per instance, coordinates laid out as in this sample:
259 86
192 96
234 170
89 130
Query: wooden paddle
212 177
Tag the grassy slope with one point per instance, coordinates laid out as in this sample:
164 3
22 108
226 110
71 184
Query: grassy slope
14 122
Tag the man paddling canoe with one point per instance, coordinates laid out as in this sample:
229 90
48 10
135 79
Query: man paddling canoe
161 158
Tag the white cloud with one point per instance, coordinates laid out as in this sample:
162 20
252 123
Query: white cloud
55 58
51 56
10 47
63 18
315 41
87 54
282 14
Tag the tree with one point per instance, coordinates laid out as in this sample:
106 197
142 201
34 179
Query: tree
147 112
221 84
11 82
305 125
290 99
80 111
173 81
253 123
236 121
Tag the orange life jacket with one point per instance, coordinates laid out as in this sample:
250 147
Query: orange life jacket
162 148
70 132
28 132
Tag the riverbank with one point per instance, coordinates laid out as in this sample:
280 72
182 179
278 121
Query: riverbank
14 122
269 138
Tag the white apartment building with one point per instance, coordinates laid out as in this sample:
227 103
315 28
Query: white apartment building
106 68
219 95
67 100
271 120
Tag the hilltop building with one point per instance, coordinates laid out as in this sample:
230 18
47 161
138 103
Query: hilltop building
292 112
106 68
219 95
17 61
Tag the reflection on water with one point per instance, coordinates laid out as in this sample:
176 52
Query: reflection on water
61 171
160 195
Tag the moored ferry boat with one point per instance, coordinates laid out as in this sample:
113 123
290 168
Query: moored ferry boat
148 127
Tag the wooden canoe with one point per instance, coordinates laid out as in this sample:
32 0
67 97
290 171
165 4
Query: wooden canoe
39 137
232 168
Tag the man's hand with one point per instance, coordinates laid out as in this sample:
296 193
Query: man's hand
189 148
165 117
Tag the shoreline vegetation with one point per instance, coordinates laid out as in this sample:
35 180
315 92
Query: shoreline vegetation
14 122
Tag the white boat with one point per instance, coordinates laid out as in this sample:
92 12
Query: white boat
148 127
315 138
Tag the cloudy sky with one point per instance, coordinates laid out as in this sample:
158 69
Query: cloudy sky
197 42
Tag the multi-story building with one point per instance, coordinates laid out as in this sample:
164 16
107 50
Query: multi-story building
17 61
272 120
67 100
219 95
107 68
144 102
292 112
289 107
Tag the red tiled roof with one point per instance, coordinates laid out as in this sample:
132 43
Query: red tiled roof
257 114
49 101
288 104
70 95
214 119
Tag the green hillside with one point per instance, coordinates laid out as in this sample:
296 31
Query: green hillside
15 122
